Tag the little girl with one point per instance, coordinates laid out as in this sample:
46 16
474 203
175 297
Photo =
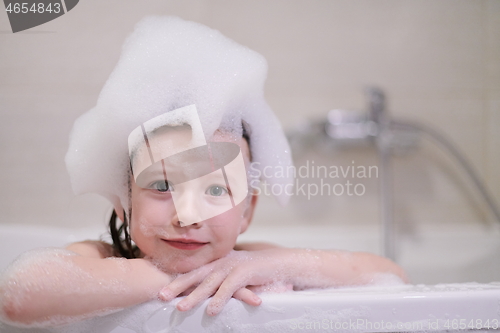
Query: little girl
169 143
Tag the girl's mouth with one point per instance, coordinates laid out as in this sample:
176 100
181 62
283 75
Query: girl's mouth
185 244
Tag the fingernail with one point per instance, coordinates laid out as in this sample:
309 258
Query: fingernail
166 295
182 307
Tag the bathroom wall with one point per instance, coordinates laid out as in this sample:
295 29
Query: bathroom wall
438 62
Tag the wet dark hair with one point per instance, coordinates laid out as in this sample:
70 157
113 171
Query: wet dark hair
122 243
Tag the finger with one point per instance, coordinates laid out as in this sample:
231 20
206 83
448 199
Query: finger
206 289
257 289
183 283
229 286
248 296
272 287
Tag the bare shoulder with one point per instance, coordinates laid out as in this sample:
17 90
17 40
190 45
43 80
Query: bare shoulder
92 248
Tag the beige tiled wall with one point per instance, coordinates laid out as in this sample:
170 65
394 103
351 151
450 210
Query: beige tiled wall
438 61
492 93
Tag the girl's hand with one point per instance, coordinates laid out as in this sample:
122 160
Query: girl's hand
240 274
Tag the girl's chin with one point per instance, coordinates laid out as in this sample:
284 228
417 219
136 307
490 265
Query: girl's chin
180 264
181 267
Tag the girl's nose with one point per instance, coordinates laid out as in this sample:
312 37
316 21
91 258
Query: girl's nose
182 224
187 209
179 223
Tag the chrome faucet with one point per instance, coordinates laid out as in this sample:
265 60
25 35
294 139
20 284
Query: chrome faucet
383 140
376 127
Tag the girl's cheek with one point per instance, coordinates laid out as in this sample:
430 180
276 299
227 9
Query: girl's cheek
152 206
145 227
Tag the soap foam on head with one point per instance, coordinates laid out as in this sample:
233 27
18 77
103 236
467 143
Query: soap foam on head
168 63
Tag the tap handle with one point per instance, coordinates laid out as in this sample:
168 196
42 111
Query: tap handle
376 100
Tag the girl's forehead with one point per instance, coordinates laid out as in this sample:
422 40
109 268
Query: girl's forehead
172 150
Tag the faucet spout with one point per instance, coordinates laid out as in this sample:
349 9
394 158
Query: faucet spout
383 138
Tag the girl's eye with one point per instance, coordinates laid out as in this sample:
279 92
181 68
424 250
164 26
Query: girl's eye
216 191
161 186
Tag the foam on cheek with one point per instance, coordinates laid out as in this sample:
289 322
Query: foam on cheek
146 228
168 63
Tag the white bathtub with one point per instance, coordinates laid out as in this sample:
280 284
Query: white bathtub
466 255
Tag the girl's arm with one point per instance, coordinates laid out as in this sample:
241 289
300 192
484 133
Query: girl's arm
255 246
238 273
75 282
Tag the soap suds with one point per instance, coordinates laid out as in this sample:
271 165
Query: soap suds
168 63
51 270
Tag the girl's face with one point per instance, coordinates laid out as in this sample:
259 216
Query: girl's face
156 229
